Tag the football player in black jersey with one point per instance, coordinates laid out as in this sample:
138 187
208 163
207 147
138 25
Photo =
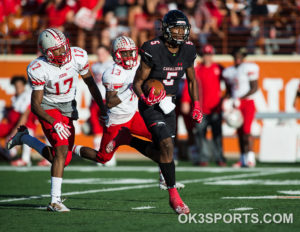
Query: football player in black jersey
166 58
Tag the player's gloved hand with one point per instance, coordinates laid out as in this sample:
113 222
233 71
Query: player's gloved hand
152 99
196 112
236 102
62 129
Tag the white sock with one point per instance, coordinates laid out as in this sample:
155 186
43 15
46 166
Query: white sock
26 153
33 142
76 149
55 189
97 142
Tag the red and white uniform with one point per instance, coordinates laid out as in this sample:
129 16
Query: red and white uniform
124 114
19 106
239 79
118 79
59 85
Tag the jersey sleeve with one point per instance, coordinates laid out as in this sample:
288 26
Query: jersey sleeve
36 76
253 72
112 79
192 53
81 59
146 54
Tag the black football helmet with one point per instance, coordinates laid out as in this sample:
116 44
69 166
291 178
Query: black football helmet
175 18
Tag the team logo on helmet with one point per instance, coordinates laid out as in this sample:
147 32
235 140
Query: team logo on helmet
50 40
125 52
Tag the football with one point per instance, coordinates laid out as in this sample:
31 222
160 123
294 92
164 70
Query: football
233 118
158 86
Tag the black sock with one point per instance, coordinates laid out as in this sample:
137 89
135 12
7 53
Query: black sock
168 171
139 144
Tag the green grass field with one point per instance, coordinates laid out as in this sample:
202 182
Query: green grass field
127 198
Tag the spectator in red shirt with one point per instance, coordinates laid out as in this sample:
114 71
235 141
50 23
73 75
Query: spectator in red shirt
59 13
208 75
96 7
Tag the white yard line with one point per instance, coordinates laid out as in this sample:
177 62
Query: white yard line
143 207
262 197
148 169
145 186
290 192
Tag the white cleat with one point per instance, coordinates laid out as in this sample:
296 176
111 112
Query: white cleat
16 139
57 207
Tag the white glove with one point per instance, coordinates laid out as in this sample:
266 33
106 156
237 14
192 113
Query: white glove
61 129
230 103
167 105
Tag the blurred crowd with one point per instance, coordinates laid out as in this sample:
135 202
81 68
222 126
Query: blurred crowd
263 26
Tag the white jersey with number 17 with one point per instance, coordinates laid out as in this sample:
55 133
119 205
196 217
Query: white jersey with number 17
59 83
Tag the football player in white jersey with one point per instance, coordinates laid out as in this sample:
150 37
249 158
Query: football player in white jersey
242 82
54 77
121 101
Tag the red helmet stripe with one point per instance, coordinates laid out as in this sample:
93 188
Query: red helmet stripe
55 35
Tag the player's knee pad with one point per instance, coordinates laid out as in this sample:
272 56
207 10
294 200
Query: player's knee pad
159 131
104 157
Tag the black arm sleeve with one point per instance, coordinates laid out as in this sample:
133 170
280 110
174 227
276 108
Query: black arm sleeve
146 55
192 55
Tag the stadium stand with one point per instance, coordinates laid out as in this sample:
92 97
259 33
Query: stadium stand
263 26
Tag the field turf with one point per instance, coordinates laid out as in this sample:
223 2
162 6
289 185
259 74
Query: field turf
127 198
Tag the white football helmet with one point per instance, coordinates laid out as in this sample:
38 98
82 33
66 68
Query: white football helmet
50 40
233 118
121 44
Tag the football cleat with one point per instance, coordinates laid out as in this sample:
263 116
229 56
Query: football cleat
20 163
221 164
123 138
57 207
250 158
179 207
203 164
44 163
239 164
16 139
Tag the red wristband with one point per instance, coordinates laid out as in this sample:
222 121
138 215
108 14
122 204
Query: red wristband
196 104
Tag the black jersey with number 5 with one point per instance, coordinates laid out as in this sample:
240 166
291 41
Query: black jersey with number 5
167 67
